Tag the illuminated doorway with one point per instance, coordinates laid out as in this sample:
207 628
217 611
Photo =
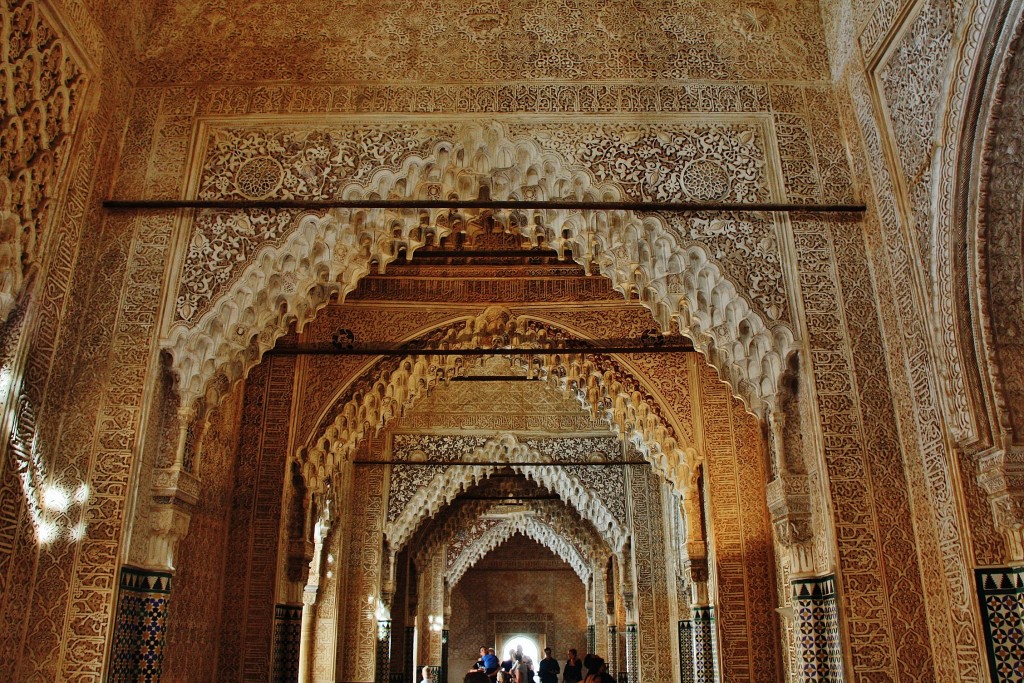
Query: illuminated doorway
531 644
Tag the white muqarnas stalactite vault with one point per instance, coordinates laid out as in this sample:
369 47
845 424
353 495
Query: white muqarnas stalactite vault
341 423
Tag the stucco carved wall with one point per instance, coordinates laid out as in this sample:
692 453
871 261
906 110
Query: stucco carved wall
90 422
488 42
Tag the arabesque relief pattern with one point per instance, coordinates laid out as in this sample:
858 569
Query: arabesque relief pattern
362 556
444 486
406 481
1003 311
203 568
163 121
252 541
459 533
555 539
654 649
957 640
403 379
735 476
668 162
487 42
857 469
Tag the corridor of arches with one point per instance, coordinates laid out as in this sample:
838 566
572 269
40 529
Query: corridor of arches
434 503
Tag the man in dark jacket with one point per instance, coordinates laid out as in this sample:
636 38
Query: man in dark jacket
549 668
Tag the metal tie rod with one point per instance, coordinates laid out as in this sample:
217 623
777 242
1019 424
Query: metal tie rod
497 463
328 350
115 204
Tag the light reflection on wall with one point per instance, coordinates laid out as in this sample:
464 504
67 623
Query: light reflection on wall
57 510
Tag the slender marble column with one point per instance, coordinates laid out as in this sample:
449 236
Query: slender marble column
632 660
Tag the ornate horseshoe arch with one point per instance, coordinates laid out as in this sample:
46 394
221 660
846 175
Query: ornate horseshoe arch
534 529
975 220
604 390
326 256
547 522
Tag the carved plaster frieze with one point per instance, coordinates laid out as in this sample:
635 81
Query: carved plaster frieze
289 277
963 170
42 85
487 41
608 483
459 534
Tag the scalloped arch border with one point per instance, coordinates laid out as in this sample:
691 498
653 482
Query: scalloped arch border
530 527
560 518
444 488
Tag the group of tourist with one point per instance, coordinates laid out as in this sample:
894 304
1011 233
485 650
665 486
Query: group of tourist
518 668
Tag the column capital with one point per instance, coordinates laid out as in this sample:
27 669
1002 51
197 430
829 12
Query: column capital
176 486
1001 475
168 524
789 503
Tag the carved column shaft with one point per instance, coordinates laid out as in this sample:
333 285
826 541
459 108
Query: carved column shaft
599 607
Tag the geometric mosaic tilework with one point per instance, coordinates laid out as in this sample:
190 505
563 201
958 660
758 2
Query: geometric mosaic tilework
705 659
383 674
287 633
1001 594
686 673
819 647
141 626
591 638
